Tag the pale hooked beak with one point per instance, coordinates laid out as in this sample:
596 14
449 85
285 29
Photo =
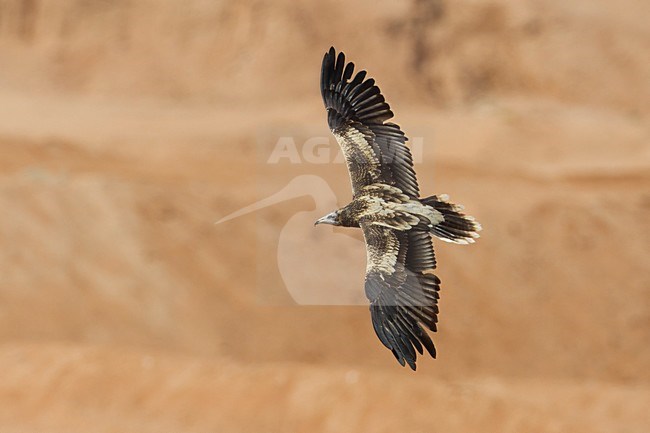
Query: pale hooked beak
330 218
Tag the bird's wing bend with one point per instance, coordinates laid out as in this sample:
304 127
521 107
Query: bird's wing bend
375 150
402 296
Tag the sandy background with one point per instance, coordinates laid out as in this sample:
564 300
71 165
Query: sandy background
128 127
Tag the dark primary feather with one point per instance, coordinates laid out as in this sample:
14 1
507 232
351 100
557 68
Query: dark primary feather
405 300
351 102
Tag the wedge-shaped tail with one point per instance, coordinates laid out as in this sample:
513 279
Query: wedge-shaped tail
456 227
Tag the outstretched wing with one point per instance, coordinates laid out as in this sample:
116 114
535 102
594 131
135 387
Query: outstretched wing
375 150
403 297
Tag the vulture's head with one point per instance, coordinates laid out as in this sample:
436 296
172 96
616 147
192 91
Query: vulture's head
333 218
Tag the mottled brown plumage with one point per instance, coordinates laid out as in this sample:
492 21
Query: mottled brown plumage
386 205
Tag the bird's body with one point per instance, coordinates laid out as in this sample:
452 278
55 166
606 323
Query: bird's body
397 224
387 206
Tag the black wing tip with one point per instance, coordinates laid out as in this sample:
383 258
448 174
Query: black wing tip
332 62
329 56
405 360
331 73
357 97
402 334
331 53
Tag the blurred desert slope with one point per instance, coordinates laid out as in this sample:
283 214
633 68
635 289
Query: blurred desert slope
128 127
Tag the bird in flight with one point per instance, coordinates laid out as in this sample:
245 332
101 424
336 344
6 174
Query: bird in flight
396 223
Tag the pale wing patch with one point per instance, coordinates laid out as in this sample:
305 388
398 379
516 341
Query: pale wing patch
383 206
381 254
427 212
386 192
398 223
360 157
